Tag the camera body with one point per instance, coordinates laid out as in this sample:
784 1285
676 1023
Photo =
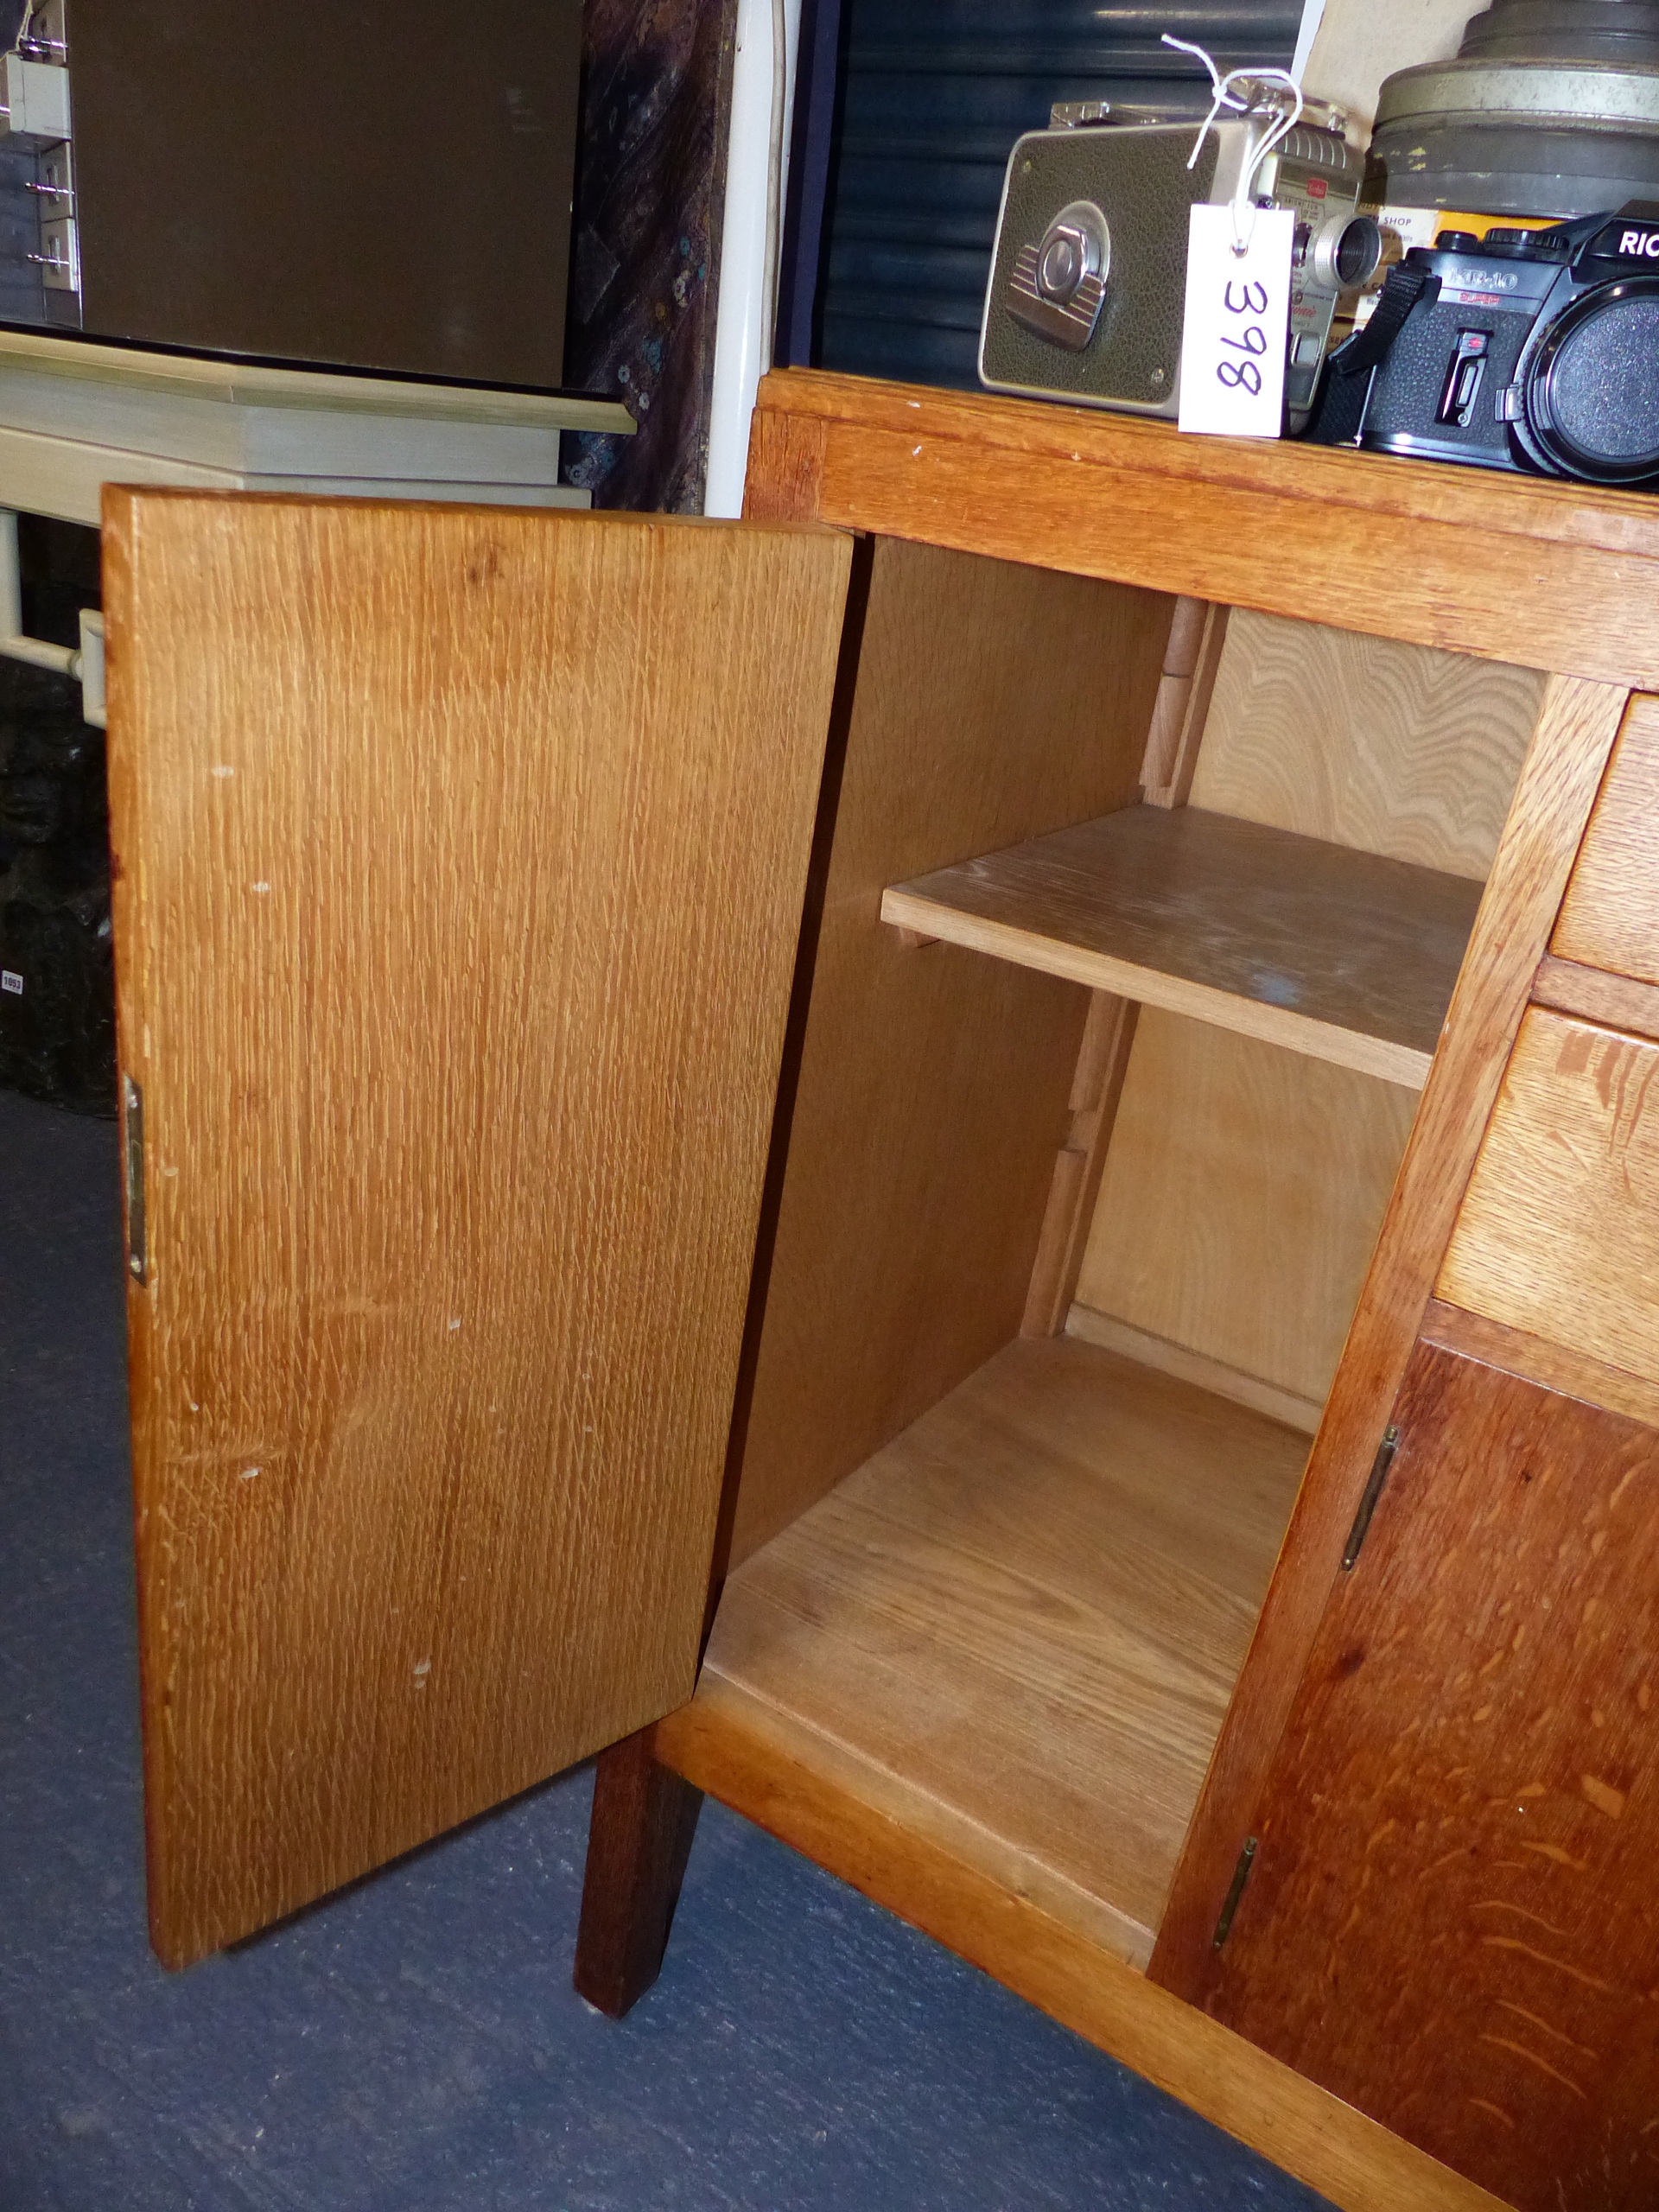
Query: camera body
1533 350
1088 284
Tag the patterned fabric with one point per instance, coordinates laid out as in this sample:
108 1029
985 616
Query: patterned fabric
650 171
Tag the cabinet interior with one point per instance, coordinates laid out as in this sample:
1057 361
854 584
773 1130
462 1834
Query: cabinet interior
1002 1581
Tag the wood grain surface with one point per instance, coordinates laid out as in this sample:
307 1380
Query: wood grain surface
1559 1232
459 859
785 468
1187 625
1615 1001
1610 918
1187 1366
992 704
1325 951
1388 748
1451 1921
1029 1607
1536 1359
1563 768
1543 574
750 1758
1197 637
1097 1087
1242 1200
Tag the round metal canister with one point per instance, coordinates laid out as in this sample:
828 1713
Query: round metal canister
1551 108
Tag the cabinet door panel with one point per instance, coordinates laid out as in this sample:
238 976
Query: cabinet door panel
1452 1920
460 859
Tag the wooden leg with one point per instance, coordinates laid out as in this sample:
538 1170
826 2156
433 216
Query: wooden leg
644 1820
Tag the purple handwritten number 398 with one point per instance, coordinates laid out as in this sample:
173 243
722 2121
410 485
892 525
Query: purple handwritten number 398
1252 341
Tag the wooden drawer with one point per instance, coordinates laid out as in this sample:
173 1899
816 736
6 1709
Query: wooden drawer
1559 1233
1610 918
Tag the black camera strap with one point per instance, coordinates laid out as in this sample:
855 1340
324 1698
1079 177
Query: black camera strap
1348 377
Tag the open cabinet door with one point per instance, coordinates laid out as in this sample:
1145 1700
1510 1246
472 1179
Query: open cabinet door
460 861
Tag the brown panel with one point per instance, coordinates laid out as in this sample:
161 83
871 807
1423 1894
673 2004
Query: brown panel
1559 1232
992 701
1610 918
733 1748
460 860
390 190
1576 727
1507 568
1452 1922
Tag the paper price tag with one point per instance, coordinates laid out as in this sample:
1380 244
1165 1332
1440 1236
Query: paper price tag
1237 324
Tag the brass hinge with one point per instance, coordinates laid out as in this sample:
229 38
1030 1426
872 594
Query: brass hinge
1235 1891
132 1120
1378 1476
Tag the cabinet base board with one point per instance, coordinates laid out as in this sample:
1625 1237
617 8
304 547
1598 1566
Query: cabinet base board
722 1744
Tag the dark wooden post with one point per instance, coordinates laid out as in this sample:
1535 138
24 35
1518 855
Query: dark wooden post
645 1817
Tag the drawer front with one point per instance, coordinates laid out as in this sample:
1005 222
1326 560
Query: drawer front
1559 1233
1610 918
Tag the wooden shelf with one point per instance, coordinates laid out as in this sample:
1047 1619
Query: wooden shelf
1336 953
1017 1628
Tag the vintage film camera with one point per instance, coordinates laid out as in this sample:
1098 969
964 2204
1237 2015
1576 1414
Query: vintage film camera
1524 349
1088 287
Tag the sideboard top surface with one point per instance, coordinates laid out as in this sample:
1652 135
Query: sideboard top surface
1520 568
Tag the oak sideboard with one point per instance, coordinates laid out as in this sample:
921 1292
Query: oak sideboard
969 1163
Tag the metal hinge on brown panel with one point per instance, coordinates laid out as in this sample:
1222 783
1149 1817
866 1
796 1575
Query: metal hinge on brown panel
132 1120
1375 1480
1235 1890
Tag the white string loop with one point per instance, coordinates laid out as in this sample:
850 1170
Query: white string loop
1256 151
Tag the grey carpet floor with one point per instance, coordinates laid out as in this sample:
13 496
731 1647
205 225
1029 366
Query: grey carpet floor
415 2043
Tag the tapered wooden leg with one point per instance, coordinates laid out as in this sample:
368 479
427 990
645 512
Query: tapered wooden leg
645 1817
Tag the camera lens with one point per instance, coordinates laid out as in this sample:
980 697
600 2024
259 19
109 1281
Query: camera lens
1347 253
1604 393
1359 251
1591 392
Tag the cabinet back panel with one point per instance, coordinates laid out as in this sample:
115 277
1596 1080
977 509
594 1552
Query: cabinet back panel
993 702
1391 748
461 861
1243 1191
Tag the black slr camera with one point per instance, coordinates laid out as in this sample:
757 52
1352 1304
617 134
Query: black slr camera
1525 349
